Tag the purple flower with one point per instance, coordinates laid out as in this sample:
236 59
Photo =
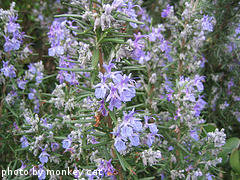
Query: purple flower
41 173
237 31
200 104
66 143
166 11
144 57
56 50
23 166
118 3
36 105
198 82
56 35
152 126
194 135
45 124
114 103
164 46
16 36
101 88
128 10
16 126
24 142
93 140
102 108
207 23
32 93
108 68
125 89
156 34
11 44
21 83
10 99
12 27
128 129
106 168
150 139
170 148
134 139
209 176
120 145
43 157
32 69
8 70
70 77
54 146
114 98
121 89
51 51
39 78
138 45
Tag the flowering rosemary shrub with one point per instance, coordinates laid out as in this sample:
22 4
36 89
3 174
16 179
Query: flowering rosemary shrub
129 100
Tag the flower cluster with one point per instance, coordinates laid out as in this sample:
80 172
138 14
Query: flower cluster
8 70
131 132
57 34
129 129
64 45
114 88
106 168
207 24
13 36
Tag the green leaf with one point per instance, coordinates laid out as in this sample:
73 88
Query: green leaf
134 67
210 127
124 163
75 69
95 58
114 40
136 106
130 20
74 6
50 76
93 77
235 160
68 15
231 144
46 94
80 121
12 111
59 137
113 117
90 146
147 178
79 32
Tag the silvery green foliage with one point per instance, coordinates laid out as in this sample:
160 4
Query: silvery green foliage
59 96
150 157
4 14
128 98
218 137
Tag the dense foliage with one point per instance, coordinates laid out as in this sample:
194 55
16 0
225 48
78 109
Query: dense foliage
123 89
